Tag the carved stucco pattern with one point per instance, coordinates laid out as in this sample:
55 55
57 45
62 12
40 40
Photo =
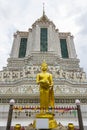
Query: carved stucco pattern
30 71
34 89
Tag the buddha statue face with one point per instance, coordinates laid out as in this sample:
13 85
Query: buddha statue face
44 66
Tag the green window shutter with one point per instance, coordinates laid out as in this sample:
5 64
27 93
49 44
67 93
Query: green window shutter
22 48
43 40
64 50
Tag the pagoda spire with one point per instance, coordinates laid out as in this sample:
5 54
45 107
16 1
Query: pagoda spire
43 10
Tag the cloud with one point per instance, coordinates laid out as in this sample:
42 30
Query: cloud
82 22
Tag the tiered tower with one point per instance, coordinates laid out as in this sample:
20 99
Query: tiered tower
43 42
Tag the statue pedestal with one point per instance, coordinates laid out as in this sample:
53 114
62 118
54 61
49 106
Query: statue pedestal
45 121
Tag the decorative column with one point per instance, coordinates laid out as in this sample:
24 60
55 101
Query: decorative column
79 115
11 103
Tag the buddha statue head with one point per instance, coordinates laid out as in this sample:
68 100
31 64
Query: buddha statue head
44 66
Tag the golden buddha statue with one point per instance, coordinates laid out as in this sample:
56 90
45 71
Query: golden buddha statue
45 80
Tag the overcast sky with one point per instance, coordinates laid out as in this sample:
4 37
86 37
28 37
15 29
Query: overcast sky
67 15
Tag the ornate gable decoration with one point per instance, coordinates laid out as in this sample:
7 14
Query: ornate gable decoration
43 19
